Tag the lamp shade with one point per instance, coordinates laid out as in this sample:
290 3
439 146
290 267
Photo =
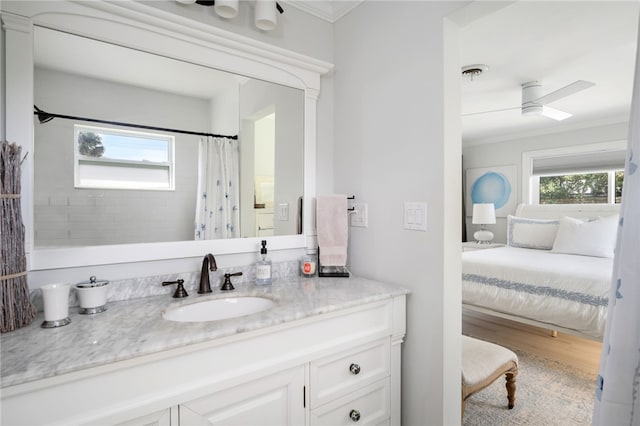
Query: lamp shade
484 214
226 8
265 17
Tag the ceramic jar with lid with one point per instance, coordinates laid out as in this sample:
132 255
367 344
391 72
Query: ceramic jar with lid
92 295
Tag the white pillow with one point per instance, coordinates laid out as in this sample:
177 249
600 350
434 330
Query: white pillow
539 234
595 238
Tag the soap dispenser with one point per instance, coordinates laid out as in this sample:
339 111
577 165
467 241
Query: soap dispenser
263 266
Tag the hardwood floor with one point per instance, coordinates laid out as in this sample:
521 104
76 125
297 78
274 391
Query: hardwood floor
580 353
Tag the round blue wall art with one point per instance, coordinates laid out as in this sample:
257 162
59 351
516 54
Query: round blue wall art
491 187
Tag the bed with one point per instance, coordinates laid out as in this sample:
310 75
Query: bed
554 272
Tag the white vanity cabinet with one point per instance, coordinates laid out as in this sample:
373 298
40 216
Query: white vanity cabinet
340 367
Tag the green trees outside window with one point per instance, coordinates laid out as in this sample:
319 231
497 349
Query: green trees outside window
586 188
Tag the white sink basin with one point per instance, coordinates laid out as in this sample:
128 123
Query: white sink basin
218 309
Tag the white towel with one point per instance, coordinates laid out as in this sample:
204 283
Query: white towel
331 223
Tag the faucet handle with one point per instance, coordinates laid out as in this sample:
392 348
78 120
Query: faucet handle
180 291
227 285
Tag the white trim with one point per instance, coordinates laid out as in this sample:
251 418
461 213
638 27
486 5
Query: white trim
140 26
611 187
528 191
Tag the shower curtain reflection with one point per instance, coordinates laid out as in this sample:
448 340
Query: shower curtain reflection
218 191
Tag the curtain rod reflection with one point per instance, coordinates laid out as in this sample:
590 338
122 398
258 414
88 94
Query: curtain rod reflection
45 117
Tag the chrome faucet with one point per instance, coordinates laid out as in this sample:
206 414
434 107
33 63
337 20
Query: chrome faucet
208 262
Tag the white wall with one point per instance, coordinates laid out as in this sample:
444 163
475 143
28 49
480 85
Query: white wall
66 216
225 110
509 152
389 102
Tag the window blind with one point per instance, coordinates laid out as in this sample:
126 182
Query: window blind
579 163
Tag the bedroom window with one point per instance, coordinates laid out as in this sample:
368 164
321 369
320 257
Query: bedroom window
581 188
122 159
576 174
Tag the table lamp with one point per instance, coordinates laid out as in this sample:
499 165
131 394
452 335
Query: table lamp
483 214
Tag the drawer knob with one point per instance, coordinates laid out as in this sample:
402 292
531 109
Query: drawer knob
354 368
354 415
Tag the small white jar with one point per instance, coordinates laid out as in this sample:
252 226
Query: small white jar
92 296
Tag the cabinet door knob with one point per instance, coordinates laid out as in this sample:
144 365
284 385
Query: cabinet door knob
354 415
354 368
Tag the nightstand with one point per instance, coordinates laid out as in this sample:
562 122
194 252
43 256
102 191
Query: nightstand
472 245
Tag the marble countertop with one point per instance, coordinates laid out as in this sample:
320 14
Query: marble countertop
135 327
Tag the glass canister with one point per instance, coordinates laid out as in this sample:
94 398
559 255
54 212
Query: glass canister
308 264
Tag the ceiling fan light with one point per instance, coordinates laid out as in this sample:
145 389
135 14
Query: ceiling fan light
227 9
555 114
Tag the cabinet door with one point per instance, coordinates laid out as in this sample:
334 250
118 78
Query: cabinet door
159 418
276 400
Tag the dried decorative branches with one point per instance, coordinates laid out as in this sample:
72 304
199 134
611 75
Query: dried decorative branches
16 309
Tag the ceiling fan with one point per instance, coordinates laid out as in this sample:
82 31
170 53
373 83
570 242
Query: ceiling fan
535 103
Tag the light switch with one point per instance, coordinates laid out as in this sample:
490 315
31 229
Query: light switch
283 211
415 216
359 216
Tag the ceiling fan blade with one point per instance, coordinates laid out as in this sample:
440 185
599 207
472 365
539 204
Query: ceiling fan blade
555 114
487 112
567 90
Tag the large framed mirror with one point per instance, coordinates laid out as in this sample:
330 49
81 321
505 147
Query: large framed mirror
99 183
277 186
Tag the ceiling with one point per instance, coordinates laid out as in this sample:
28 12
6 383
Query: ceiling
555 43
79 55
329 10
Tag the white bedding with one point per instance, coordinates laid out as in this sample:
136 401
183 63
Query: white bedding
566 290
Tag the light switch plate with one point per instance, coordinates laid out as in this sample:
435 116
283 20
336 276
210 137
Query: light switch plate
415 216
283 211
359 216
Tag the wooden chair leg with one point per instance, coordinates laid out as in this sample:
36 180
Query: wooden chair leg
511 388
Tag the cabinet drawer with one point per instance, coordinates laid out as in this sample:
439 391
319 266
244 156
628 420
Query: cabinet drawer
367 406
340 374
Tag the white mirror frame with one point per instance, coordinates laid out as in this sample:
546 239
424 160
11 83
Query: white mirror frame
139 26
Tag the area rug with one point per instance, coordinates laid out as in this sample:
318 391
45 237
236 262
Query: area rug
548 393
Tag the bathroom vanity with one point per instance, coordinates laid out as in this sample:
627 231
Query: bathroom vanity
329 352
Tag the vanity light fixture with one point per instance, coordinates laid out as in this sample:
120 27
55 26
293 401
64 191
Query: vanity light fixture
265 10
